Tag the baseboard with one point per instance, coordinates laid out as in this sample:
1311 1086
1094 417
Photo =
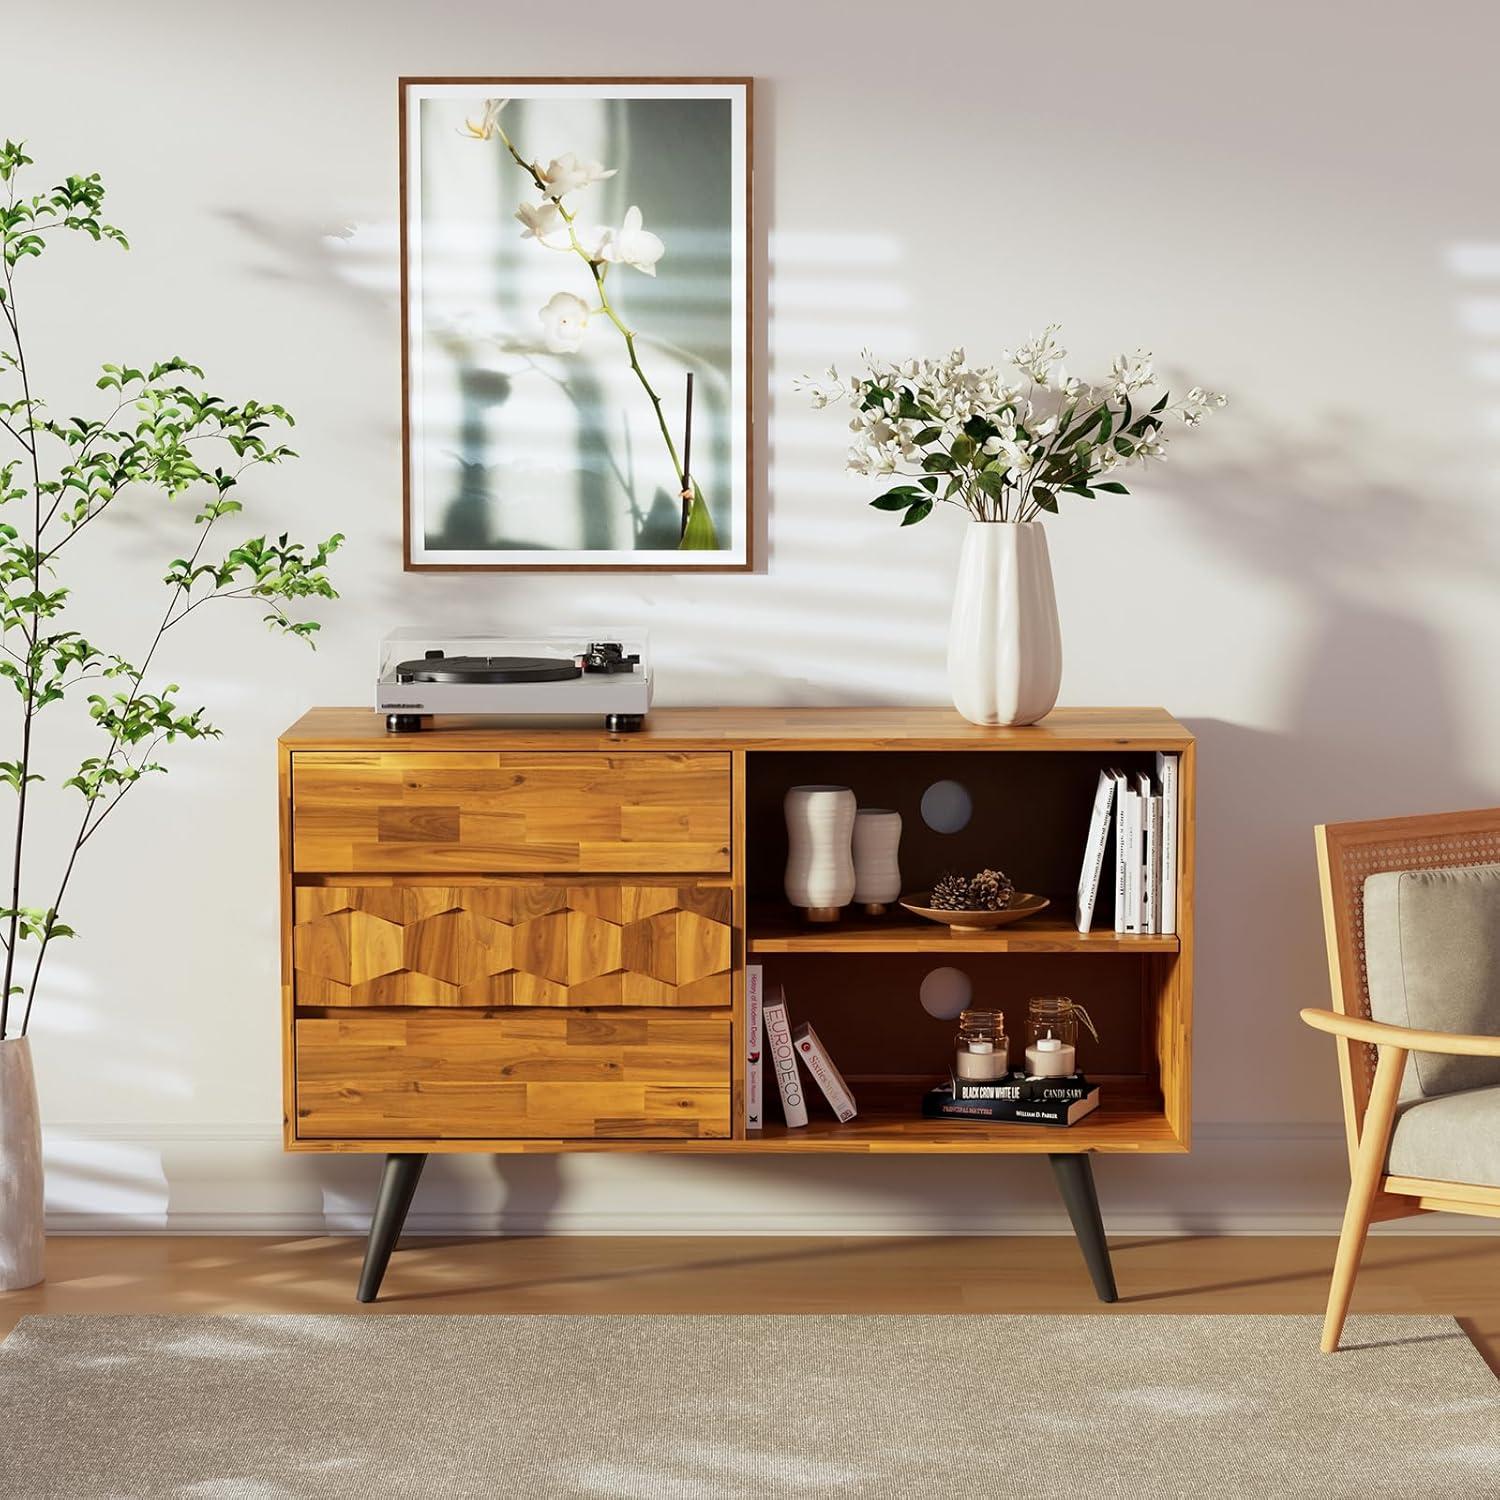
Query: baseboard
234 1179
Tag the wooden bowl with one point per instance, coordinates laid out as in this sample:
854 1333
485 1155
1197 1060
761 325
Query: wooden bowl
1022 905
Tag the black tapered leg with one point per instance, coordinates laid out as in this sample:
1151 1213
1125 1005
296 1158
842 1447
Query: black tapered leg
1075 1181
397 1184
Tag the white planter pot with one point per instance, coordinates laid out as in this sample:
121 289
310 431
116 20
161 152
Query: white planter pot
819 855
21 1239
877 872
1004 645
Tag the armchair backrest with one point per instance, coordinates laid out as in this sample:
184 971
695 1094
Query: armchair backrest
1348 854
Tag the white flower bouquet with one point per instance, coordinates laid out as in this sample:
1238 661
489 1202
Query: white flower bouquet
1003 446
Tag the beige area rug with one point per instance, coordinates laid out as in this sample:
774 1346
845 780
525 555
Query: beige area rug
267 1408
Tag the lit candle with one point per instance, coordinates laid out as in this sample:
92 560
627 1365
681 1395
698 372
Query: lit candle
979 1060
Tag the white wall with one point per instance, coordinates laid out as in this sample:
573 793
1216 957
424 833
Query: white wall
1289 202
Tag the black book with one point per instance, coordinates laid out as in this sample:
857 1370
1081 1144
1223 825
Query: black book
940 1104
1018 1086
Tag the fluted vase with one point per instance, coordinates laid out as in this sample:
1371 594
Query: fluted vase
1004 643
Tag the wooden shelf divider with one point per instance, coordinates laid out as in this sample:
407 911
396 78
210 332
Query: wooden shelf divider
778 931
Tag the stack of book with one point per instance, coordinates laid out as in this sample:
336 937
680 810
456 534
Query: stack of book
792 1050
1140 810
1015 1098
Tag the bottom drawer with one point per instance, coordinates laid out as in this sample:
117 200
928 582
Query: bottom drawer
514 1074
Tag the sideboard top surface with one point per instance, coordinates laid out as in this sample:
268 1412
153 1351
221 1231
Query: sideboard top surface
727 728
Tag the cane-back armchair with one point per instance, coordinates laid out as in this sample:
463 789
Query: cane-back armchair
1411 911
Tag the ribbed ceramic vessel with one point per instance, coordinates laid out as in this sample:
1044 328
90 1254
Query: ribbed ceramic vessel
1004 644
22 1243
877 870
819 857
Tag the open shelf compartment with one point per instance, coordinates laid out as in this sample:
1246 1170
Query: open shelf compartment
858 980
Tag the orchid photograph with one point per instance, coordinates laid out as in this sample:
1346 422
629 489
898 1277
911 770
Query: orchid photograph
576 350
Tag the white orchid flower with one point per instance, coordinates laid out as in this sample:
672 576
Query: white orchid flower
567 174
544 223
632 245
484 128
565 320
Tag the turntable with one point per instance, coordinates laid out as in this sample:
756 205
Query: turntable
558 675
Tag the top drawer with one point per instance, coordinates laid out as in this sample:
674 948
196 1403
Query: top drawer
509 813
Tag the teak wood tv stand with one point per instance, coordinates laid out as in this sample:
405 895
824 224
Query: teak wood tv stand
502 939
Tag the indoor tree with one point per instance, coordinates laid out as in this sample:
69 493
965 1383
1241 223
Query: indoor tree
162 436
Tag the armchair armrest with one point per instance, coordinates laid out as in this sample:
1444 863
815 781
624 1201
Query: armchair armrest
1379 1034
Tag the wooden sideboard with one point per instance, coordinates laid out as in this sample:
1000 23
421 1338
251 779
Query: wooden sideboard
503 939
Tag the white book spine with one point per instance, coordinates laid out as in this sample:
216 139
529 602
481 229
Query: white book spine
1093 852
1153 864
754 1075
816 1060
783 1057
1132 857
1120 850
1166 773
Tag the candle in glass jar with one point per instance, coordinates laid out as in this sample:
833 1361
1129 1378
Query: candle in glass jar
979 1060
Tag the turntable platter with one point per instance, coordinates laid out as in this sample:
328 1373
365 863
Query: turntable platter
488 669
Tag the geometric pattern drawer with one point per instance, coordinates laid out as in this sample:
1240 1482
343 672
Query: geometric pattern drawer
532 943
448 812
528 1074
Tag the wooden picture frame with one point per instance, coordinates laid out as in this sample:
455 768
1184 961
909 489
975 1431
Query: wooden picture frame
536 435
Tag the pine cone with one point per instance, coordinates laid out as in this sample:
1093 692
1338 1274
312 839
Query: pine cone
990 890
951 893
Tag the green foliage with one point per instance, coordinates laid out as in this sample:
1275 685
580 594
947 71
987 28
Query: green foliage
165 436
699 534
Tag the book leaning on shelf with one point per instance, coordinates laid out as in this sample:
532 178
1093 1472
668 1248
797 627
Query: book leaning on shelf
813 1056
783 1056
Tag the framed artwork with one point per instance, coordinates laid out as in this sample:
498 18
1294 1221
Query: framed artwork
576 336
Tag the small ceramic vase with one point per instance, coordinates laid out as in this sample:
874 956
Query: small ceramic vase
819 855
877 875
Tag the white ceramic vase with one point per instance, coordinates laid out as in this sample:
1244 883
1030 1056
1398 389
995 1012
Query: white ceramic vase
877 871
1004 645
819 850
21 1239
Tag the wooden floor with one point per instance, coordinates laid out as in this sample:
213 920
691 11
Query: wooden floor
1457 1276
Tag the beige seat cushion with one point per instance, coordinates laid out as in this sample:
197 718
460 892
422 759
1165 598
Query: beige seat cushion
1454 1137
1432 960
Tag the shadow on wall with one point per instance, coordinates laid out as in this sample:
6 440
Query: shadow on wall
1373 725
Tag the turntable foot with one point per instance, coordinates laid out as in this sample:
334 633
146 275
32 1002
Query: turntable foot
402 723
624 723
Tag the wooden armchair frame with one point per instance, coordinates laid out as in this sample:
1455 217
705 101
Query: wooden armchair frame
1372 1055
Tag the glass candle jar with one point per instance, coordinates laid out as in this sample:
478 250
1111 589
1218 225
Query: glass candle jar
1056 1016
981 1050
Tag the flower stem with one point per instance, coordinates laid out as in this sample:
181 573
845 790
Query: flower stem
598 271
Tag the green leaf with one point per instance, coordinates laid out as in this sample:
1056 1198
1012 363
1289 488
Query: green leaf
1112 485
896 500
938 463
1045 498
919 512
699 534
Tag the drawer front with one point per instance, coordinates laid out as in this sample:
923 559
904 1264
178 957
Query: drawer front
524 1074
505 813
599 943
